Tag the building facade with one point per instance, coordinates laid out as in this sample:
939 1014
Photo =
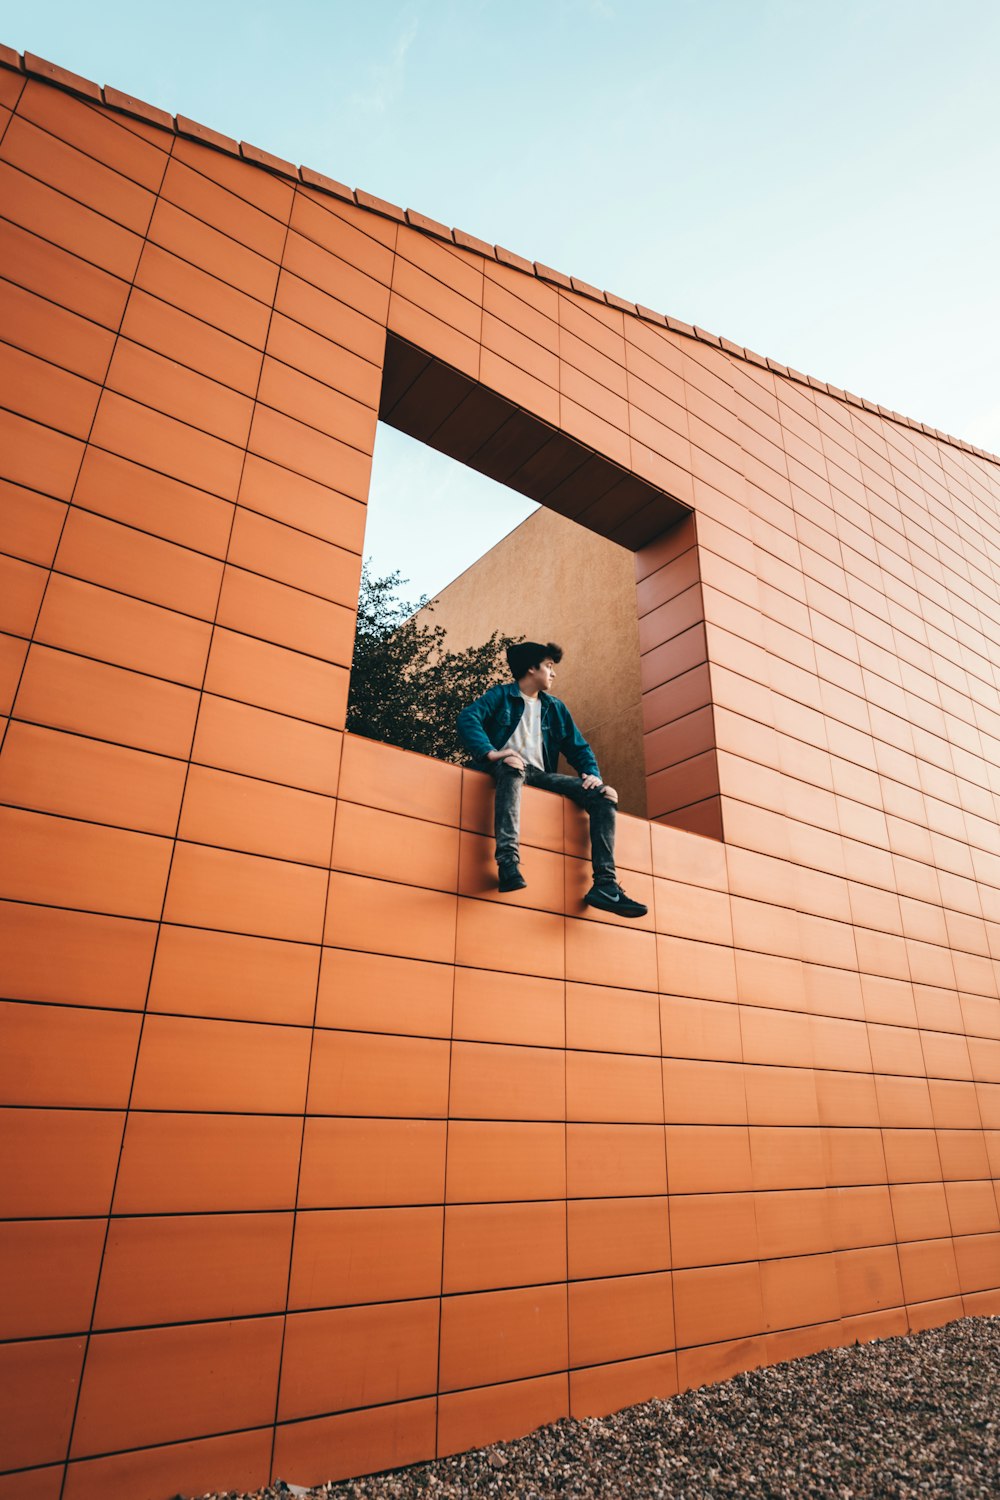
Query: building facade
318 1157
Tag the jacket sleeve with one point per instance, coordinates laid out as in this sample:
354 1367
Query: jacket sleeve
471 721
576 749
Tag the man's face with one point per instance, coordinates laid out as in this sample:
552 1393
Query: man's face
544 674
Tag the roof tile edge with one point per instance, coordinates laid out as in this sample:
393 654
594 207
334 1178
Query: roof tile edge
59 77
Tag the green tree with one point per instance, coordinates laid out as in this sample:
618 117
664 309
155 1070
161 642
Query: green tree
406 688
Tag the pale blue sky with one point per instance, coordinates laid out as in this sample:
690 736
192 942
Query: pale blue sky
815 181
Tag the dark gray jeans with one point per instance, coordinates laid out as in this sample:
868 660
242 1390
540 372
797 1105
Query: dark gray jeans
507 812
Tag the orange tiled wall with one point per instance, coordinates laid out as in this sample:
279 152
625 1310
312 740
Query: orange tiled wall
317 1156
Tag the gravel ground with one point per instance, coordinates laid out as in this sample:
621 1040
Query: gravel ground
904 1417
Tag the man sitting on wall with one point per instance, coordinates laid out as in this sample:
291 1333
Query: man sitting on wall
517 731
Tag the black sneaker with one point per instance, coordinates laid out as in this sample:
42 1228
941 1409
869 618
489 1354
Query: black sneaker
613 899
511 878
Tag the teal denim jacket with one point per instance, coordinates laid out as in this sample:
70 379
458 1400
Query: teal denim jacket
488 723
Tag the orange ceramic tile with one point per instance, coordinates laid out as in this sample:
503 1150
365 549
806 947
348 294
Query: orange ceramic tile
489 1414
799 1290
615 1160
156 325
173 229
58 1162
492 1245
317 404
489 1081
928 1269
68 957
178 1363
290 556
489 1337
157 440
43 329
846 1098
50 1268
351 1163
963 1154
190 1267
723 1302
787 1157
181 392
273 677
381 917
705 1093
33 1484
66 1056
903 1102
510 939
853 1156
61 773
238 1458
307 276
862 1216
355 1073
599 1018
13 651
233 976
245 893
869 1280
599 953
135 150
976 1258
617 1236
195 290
307 452
706 1365
702 971
61 276
189 1163
23 589
613 1087
714 1228
376 992
398 781
603 1388
357 1442
99 622
387 846
620 1318
920 1210
500 1161
256 817
40 1383
972 1207
194 1063
111 703
213 204
336 362
358 1356
708 1159
348 1256
911 1155
43 210
700 1028
272 746
286 617
60 862
360 239
494 1007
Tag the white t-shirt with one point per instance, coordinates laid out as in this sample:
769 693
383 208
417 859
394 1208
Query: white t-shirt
527 737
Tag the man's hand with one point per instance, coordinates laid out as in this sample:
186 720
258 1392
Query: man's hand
510 756
589 782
